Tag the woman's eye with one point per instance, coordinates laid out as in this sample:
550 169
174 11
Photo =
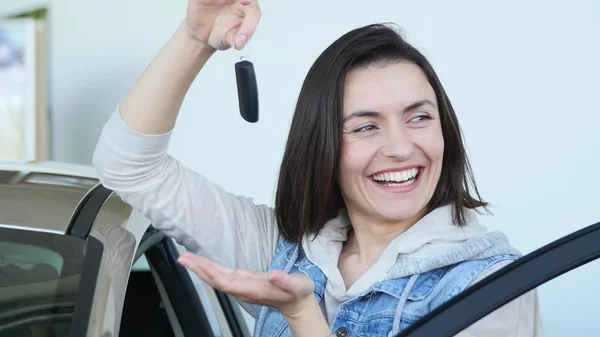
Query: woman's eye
420 118
365 128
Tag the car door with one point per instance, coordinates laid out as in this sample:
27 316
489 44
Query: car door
160 298
570 262
184 311
180 304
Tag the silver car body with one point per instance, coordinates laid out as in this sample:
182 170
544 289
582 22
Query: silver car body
47 198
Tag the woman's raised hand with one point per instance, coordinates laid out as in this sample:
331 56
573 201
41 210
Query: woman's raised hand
222 24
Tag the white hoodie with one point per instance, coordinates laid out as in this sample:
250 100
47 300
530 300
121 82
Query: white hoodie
433 242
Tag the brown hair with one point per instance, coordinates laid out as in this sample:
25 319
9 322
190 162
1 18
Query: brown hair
307 191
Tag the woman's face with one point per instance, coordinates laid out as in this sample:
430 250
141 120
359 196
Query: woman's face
392 145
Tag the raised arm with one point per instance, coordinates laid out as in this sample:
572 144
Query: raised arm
131 156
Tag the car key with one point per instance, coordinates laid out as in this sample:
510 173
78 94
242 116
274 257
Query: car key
247 90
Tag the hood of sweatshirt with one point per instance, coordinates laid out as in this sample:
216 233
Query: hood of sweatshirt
433 242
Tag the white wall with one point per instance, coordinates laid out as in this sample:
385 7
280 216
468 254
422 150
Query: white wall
523 78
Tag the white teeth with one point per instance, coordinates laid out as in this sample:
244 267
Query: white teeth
397 177
408 182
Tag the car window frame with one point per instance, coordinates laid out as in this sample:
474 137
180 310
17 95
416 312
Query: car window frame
81 223
161 255
231 311
523 275
233 314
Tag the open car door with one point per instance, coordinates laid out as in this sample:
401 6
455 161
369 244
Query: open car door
193 308
562 256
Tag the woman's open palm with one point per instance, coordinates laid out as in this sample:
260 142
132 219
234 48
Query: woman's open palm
223 24
288 293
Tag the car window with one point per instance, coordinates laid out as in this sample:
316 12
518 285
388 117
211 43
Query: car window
39 279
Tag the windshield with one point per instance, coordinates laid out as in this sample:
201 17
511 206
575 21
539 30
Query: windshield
39 279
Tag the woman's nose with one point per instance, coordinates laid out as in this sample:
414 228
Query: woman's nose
398 144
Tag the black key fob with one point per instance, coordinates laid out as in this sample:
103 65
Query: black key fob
247 90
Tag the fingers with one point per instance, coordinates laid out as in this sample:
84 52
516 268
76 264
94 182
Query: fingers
235 282
277 289
249 24
206 262
250 286
213 274
193 263
190 262
244 285
199 264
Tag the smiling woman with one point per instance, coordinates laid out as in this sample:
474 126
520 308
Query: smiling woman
375 218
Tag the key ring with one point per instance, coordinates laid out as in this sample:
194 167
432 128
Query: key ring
240 55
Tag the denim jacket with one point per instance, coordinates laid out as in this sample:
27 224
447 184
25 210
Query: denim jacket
385 309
